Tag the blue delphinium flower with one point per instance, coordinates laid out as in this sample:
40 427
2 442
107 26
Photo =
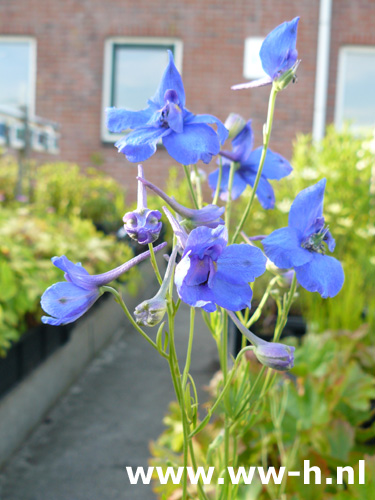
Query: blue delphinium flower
278 55
210 272
68 300
275 167
186 136
206 216
302 244
142 225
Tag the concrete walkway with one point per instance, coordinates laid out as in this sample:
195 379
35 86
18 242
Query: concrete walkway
106 422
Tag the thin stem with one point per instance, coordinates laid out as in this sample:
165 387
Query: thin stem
229 202
198 186
217 192
154 264
207 418
285 311
190 345
120 301
258 310
187 173
266 139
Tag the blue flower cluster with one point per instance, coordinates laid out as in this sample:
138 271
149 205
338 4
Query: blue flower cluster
211 273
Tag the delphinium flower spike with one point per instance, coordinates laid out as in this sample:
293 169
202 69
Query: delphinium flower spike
187 137
272 354
247 164
68 300
278 55
302 245
142 225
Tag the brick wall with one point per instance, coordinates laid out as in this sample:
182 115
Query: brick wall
70 36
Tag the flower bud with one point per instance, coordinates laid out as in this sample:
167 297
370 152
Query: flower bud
143 226
276 356
285 78
150 312
235 124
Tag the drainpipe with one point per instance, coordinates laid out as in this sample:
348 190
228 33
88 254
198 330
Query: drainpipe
322 69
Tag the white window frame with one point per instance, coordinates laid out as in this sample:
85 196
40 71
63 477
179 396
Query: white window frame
33 66
106 136
340 83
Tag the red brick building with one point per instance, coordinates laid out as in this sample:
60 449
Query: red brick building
75 53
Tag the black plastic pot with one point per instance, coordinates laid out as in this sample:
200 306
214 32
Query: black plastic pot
9 370
36 345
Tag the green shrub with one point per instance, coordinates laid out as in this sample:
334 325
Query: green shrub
63 189
316 413
27 243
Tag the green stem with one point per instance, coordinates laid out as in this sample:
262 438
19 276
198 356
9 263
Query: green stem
155 264
217 192
286 309
259 309
187 173
199 187
120 301
266 139
207 418
229 202
190 345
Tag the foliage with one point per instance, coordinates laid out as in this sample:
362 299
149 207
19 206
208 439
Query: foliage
320 411
27 243
63 189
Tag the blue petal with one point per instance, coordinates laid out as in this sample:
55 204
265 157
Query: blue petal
323 274
171 80
140 144
196 295
221 130
74 273
206 241
118 120
243 143
278 52
275 166
240 264
230 296
307 209
238 187
261 82
264 191
196 142
283 247
66 301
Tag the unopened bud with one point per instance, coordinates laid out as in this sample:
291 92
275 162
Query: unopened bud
285 78
150 312
235 124
143 226
276 356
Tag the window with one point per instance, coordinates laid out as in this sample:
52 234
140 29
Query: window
17 72
355 98
133 68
